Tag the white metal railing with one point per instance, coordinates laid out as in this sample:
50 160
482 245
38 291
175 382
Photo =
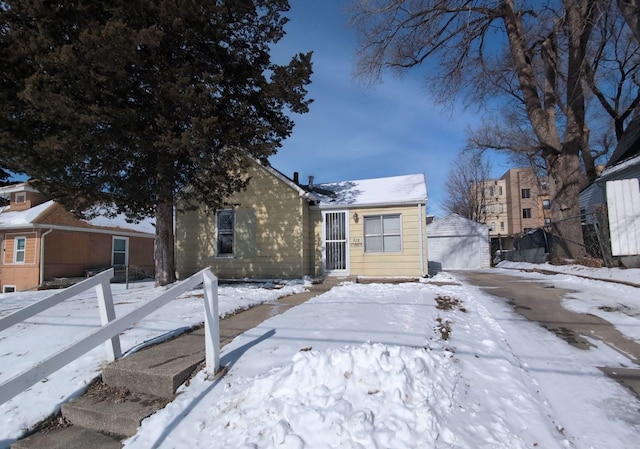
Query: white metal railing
111 327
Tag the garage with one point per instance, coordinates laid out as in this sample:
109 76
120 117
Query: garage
456 243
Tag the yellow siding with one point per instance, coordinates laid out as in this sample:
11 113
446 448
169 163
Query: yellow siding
271 238
404 263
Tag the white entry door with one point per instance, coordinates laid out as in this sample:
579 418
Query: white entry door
336 231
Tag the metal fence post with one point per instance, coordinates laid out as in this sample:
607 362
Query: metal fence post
211 322
107 314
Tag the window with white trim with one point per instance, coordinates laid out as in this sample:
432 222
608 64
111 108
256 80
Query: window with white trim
382 234
21 197
225 226
120 253
8 288
19 249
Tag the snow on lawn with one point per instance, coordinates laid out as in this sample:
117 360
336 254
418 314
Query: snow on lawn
617 303
51 331
417 365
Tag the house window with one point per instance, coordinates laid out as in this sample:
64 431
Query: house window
499 190
502 225
546 204
19 249
492 208
120 253
21 197
493 226
224 239
526 213
500 208
382 234
8 289
490 191
526 193
547 221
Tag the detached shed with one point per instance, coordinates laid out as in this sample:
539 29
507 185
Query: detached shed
456 243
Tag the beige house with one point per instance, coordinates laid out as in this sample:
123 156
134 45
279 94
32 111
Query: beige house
42 241
279 228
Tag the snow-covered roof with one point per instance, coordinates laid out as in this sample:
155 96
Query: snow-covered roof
609 170
393 190
13 188
25 217
29 217
453 223
120 221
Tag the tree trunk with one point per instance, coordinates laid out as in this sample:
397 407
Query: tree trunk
565 182
164 247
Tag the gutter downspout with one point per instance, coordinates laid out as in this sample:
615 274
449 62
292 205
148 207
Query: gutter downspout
42 236
420 224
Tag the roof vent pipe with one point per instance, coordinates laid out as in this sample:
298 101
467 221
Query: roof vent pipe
311 182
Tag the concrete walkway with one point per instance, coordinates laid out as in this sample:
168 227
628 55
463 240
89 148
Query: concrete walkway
542 303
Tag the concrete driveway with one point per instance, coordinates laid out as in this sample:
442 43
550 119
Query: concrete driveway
541 302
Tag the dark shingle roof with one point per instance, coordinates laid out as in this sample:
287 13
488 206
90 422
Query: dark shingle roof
629 144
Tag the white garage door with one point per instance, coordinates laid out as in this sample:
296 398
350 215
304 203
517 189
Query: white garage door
457 252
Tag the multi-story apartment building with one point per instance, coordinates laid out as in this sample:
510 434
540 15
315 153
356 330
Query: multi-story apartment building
514 203
494 207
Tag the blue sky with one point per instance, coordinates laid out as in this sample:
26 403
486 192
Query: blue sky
356 132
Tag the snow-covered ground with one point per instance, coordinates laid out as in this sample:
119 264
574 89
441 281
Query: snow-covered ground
437 364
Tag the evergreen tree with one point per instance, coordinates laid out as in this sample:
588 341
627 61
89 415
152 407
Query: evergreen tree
4 176
144 103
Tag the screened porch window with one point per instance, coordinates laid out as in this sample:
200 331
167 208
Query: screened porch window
225 225
382 234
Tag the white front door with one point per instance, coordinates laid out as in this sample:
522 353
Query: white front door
335 248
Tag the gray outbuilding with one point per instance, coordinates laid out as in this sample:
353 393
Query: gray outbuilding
456 243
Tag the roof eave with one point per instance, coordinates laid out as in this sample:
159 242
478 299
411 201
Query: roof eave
94 230
422 201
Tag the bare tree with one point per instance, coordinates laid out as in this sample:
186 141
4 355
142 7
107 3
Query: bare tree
630 10
612 71
465 186
531 53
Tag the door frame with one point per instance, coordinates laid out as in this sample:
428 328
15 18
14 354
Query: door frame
345 271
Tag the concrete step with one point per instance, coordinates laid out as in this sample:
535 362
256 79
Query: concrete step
112 414
73 437
158 370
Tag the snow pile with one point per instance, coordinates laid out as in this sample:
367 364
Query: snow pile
369 396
